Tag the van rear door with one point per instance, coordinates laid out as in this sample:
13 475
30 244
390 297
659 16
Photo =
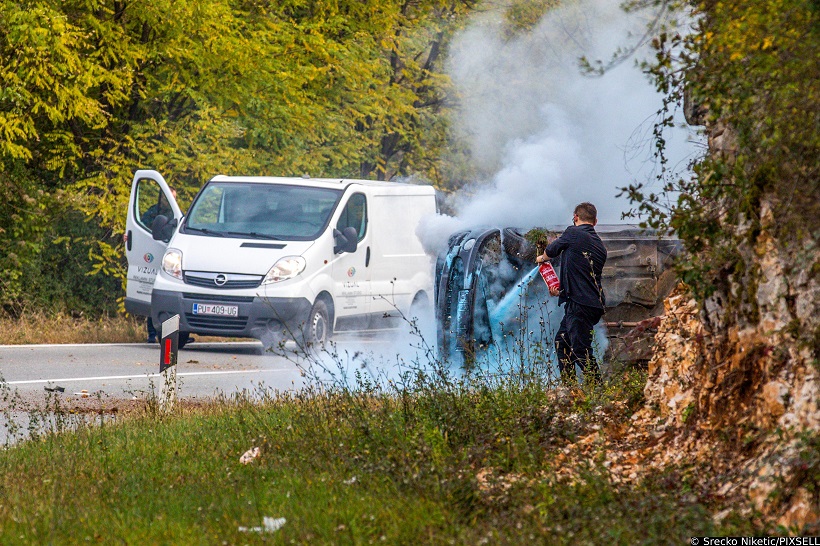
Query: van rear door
150 197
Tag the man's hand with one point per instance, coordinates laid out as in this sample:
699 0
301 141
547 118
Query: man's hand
540 258
555 291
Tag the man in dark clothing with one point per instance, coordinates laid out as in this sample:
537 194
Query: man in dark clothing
582 258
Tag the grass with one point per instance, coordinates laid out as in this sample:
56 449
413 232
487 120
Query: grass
40 327
432 457
60 328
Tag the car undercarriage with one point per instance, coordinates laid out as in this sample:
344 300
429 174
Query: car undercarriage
488 297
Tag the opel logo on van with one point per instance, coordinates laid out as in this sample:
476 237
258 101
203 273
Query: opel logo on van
220 280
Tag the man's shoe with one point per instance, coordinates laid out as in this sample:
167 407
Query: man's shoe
152 339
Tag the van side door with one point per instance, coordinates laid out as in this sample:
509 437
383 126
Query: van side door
351 270
400 267
150 196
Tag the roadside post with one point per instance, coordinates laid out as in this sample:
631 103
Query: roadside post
169 348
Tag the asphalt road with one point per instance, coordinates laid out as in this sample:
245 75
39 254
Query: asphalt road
125 371
204 370
97 381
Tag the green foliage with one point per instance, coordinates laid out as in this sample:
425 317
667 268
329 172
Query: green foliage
90 92
435 460
540 238
523 15
21 229
46 247
750 72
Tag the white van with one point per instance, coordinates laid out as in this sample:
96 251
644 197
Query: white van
277 258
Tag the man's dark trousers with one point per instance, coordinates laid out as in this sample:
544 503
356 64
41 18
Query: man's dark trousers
573 342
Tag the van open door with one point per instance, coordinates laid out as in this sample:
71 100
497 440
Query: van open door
150 197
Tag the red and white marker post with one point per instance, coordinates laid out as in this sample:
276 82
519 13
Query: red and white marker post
169 348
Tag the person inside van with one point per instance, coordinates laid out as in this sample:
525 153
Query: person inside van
161 207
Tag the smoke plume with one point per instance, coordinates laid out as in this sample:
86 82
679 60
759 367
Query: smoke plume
548 135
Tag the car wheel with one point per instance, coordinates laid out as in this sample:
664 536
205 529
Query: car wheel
448 342
421 309
317 329
517 246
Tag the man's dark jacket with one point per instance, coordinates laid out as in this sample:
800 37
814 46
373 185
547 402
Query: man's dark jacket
582 261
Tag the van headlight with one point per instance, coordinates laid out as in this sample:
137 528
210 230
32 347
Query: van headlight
172 263
284 269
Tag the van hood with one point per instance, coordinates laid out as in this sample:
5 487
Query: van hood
229 255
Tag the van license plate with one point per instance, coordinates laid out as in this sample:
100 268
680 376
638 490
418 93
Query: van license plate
208 309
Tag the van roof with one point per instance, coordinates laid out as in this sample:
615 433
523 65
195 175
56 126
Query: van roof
335 183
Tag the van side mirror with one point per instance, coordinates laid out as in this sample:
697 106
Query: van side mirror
346 240
162 228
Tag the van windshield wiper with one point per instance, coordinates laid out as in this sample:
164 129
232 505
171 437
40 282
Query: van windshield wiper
256 235
206 231
252 234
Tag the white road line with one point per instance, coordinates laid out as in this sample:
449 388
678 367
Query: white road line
341 337
135 344
142 376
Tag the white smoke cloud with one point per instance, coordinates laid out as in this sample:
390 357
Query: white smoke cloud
553 136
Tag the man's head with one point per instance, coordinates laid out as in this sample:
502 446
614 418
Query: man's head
164 207
585 213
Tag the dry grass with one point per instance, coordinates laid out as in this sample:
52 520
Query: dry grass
35 328
39 328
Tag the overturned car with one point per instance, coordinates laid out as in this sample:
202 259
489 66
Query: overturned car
486 289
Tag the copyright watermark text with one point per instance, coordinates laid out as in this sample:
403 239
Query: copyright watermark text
755 541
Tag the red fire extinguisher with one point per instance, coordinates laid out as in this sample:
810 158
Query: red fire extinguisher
549 276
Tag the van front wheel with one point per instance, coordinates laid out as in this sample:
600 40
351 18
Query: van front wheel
317 329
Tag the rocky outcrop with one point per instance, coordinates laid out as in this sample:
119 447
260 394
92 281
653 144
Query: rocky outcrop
734 382
742 396
733 388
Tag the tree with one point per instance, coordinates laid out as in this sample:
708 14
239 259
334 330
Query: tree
92 91
749 74
742 362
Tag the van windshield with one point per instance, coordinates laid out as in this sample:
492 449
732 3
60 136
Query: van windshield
261 211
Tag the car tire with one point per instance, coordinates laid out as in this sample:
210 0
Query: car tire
421 309
448 319
317 329
516 246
